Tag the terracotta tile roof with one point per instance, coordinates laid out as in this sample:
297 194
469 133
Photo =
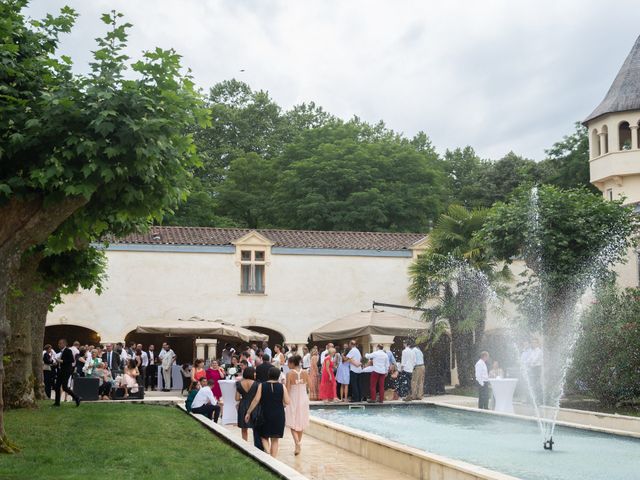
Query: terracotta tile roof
281 238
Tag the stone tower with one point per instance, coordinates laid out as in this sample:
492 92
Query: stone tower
614 156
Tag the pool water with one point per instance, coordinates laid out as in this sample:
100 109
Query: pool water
506 445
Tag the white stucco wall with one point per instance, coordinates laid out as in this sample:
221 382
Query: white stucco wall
303 292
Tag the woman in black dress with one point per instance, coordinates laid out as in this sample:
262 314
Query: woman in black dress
272 397
245 393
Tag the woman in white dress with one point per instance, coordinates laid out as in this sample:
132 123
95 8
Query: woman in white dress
278 356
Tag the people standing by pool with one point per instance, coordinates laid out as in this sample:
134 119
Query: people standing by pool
380 368
314 374
215 373
391 383
297 412
417 377
272 397
342 375
278 357
328 379
198 372
534 369
168 358
407 364
306 358
482 377
355 369
246 390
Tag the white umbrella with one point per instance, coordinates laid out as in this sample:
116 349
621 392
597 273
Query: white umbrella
200 326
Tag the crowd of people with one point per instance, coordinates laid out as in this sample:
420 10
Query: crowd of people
117 368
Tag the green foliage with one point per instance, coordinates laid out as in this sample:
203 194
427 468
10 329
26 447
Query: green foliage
567 162
607 356
573 228
454 271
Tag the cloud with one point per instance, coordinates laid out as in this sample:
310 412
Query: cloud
496 75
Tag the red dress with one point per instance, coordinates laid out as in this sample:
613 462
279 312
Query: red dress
328 382
215 375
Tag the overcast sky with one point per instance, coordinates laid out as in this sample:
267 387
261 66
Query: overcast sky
496 75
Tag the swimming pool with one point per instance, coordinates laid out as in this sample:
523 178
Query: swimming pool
503 444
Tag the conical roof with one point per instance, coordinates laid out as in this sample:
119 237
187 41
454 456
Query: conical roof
624 93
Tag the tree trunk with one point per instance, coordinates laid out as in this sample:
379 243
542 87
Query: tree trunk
24 223
27 308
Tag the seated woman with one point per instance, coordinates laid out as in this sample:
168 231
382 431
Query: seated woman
193 391
391 383
102 373
129 382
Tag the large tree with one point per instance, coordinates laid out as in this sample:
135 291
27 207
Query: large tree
456 270
96 147
357 176
566 238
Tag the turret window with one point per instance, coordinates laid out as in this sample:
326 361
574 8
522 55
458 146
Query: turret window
624 136
595 144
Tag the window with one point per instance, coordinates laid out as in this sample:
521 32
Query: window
624 136
609 193
252 270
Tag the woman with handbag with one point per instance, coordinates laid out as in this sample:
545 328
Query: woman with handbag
245 393
272 397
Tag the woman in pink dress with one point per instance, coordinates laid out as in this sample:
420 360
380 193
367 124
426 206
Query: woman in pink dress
216 373
314 375
297 412
328 382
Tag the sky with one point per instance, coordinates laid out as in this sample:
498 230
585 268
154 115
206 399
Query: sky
499 75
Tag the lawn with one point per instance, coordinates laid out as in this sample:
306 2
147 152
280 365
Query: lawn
119 441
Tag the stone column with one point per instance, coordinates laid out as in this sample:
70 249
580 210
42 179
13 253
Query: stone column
200 348
603 146
212 349
634 137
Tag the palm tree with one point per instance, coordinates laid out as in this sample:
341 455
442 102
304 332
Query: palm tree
456 270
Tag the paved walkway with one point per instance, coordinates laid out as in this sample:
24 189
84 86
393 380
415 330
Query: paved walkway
320 460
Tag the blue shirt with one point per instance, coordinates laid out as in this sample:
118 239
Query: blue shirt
419 356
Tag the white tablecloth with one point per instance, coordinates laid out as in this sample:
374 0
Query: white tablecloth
503 389
229 411
176 378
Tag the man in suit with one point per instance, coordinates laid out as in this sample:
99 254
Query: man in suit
151 379
65 370
262 370
111 358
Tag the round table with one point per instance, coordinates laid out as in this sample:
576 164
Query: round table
503 389
229 410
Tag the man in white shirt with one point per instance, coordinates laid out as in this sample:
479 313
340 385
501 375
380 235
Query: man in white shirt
534 369
168 358
482 377
407 364
205 403
417 377
266 349
144 364
152 370
355 368
380 368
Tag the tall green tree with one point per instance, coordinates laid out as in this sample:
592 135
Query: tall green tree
456 270
567 162
566 238
109 151
356 176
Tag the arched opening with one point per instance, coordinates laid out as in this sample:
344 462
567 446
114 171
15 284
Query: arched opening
605 133
86 336
182 346
275 337
624 136
595 144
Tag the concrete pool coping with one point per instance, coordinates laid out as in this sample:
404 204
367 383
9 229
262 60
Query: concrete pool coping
403 458
275 466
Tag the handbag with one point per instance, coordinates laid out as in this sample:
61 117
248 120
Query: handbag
257 416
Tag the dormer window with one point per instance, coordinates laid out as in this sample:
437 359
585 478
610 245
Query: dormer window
252 268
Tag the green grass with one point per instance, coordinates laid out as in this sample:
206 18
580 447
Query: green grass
120 441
